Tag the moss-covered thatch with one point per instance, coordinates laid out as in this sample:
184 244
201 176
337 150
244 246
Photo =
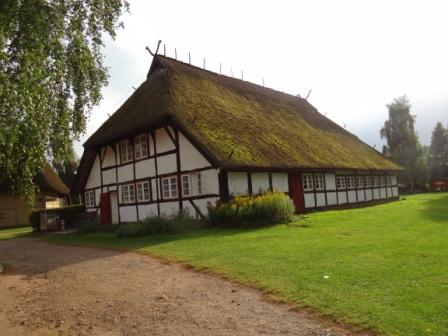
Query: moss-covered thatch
239 124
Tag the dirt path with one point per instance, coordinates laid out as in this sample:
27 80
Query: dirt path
59 290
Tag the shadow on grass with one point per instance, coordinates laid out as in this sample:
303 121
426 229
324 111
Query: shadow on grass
436 209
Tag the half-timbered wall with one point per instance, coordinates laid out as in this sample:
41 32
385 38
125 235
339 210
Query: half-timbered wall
322 189
169 156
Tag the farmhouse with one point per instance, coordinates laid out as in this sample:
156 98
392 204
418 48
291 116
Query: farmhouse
188 137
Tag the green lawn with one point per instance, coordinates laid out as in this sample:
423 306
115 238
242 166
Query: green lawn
384 267
15 232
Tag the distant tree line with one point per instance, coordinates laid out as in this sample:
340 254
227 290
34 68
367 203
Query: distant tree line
422 165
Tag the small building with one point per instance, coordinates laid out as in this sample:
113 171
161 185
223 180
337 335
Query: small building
188 137
14 211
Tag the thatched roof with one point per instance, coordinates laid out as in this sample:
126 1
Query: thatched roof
48 182
238 124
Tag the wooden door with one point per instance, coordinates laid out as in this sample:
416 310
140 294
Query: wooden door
105 208
296 188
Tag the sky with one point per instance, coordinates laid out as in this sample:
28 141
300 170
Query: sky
355 56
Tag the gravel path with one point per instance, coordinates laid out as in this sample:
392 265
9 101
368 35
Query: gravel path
58 290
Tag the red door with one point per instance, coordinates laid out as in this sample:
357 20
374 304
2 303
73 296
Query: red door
296 188
105 208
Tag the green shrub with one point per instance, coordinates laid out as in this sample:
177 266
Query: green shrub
69 214
251 211
159 226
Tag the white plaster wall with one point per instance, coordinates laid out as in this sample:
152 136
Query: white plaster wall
189 209
109 157
395 191
202 203
163 141
383 192
125 173
309 200
320 198
260 183
94 179
109 176
369 195
280 182
361 197
210 182
169 208
112 188
237 183
331 198
352 196
389 192
376 193
166 164
147 210
330 181
154 189
145 168
190 158
128 213
97 196
342 197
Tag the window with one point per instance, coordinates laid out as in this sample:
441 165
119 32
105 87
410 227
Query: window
141 146
307 182
368 181
126 151
382 180
186 185
142 191
375 181
319 181
89 200
340 182
128 195
389 180
199 180
169 187
359 182
350 182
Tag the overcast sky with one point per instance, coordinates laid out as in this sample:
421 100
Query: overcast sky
355 56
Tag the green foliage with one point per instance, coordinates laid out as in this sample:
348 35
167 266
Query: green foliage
269 208
439 153
403 145
159 226
67 168
70 214
51 75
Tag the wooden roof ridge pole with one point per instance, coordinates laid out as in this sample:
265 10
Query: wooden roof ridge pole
157 50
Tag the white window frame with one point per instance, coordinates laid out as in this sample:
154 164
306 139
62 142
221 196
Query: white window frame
141 146
359 181
307 181
319 182
128 193
186 185
382 181
350 182
89 198
340 182
389 180
143 191
374 181
126 151
368 181
169 187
